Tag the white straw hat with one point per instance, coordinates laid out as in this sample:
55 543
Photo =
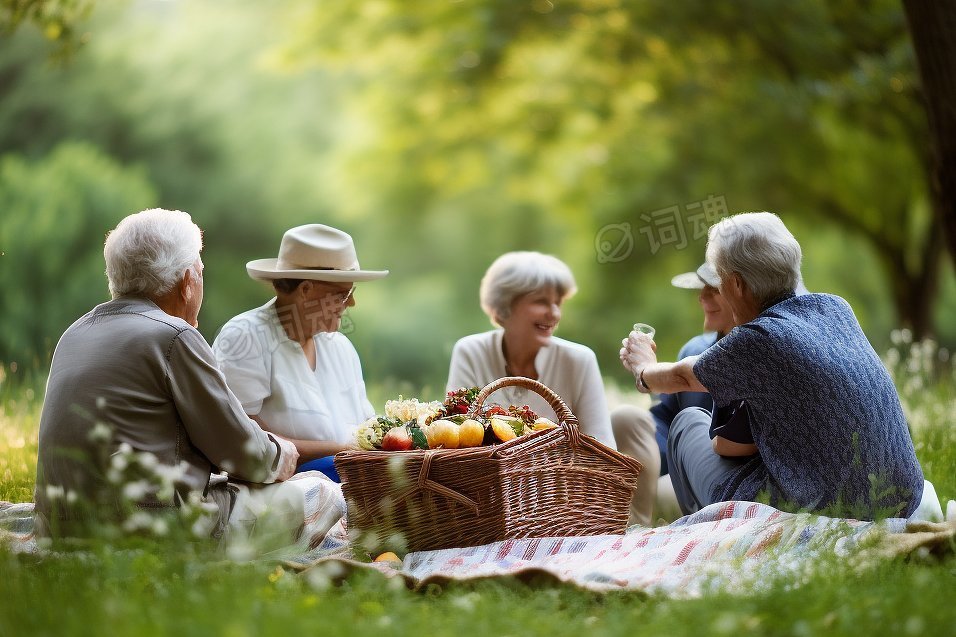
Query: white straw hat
316 252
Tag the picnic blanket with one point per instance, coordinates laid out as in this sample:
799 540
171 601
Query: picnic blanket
732 545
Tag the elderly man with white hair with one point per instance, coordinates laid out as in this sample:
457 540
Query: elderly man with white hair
137 416
805 413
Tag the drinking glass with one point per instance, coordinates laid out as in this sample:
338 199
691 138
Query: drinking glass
644 328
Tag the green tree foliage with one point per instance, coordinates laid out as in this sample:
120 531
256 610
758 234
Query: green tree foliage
56 213
60 21
442 134
600 111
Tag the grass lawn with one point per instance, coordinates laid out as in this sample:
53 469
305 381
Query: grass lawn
160 589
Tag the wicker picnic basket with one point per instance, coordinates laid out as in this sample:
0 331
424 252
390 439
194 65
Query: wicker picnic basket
556 482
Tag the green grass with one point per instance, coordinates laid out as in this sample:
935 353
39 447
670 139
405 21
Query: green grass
160 589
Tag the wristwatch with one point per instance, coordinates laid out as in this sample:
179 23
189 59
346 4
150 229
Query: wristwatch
643 384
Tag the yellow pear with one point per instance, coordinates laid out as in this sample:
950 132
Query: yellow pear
543 423
442 433
471 433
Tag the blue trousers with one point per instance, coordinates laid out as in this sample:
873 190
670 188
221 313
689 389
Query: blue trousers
695 468
325 465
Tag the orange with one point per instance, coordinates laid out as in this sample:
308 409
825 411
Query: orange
388 556
470 433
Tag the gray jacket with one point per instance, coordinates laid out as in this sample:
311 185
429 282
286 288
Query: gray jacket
127 372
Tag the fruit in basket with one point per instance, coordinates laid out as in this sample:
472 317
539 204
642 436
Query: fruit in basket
543 423
442 433
470 433
503 430
397 439
516 423
390 557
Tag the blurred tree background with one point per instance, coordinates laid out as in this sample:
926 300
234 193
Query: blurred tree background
442 134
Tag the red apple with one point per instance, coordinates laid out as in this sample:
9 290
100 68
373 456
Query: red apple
397 439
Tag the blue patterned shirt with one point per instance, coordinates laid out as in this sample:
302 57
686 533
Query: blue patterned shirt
825 415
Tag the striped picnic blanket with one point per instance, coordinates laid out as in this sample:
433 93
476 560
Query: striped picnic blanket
732 545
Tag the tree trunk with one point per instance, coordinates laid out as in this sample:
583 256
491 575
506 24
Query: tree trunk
932 25
914 291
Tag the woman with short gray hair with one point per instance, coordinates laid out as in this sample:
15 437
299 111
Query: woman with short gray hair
805 413
522 294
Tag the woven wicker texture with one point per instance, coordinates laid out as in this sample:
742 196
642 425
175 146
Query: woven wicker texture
556 482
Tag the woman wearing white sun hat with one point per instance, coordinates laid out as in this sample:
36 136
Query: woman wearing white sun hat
294 373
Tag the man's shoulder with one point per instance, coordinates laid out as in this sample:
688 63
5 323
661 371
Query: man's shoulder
140 314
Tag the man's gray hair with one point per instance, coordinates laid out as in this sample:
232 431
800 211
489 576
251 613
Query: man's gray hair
759 247
148 252
515 274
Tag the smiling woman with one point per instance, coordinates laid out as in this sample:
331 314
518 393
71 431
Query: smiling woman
522 293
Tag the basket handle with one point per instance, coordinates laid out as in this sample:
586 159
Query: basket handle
560 408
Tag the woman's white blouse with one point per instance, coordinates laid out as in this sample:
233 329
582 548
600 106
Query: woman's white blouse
270 375
569 369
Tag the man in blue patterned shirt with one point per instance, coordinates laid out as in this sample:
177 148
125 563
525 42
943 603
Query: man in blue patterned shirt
805 413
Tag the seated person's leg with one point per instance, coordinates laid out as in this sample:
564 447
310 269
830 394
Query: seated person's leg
286 515
324 464
634 433
694 466
666 508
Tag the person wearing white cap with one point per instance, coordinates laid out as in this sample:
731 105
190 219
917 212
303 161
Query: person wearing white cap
294 373
718 321
630 422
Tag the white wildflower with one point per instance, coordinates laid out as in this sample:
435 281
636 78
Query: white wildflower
137 521
100 402
241 550
119 461
54 492
160 526
135 491
147 460
100 432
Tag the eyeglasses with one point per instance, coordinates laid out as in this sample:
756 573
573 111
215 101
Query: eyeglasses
348 295
339 296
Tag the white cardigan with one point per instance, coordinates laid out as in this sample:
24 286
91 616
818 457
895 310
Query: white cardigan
569 369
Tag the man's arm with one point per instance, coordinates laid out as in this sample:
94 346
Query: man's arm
731 449
215 420
669 378
639 356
